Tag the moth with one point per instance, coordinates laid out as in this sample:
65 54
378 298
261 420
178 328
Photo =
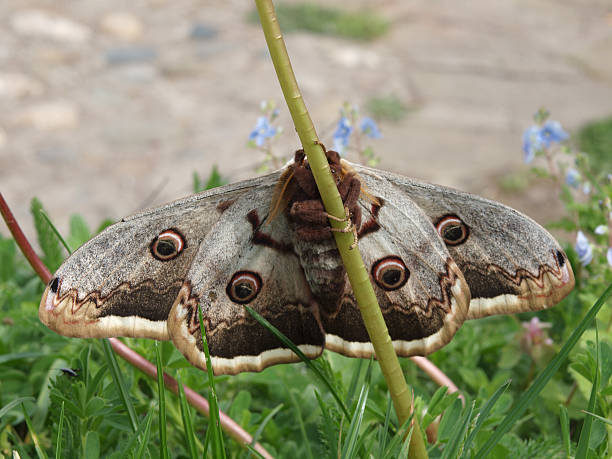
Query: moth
436 257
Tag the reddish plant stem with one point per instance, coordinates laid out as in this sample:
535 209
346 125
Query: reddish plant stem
437 375
196 400
22 242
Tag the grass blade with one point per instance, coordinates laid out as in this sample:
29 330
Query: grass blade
145 437
60 427
214 425
403 454
565 430
136 436
10 405
483 415
161 394
602 419
400 438
309 363
44 215
350 393
454 444
543 378
186 415
254 452
39 451
353 432
585 434
120 383
20 355
262 426
384 433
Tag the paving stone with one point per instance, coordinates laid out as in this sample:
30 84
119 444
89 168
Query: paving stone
201 31
45 24
122 25
18 85
48 116
130 54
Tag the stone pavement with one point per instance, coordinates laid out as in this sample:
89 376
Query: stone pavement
102 104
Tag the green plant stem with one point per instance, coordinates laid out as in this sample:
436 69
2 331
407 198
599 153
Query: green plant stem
357 274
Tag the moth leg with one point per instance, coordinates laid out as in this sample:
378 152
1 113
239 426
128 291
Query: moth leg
350 190
310 211
314 233
349 228
303 176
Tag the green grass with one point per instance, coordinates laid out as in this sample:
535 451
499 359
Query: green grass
386 108
596 140
363 25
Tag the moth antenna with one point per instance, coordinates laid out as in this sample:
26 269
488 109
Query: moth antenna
281 197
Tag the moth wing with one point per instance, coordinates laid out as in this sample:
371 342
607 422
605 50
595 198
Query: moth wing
510 262
423 310
245 260
114 286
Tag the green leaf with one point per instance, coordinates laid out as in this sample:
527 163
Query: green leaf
91 445
79 231
197 184
453 446
8 250
105 224
214 179
300 421
484 414
47 238
449 421
241 403
264 423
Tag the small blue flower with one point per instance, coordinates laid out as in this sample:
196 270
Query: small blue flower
369 128
583 249
263 130
601 229
342 134
552 132
586 188
609 256
536 138
572 177
531 143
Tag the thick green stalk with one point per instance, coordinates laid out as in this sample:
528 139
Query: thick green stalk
357 273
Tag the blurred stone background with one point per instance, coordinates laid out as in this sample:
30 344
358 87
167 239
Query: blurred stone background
108 105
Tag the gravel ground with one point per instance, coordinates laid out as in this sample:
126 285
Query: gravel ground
105 103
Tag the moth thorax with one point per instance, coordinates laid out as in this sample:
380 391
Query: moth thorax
323 269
